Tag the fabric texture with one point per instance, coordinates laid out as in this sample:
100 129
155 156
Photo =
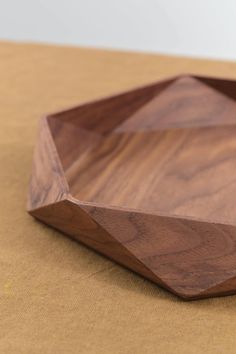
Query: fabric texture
56 295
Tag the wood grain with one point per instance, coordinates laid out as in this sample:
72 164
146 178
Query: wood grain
147 178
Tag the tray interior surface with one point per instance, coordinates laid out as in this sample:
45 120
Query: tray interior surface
174 154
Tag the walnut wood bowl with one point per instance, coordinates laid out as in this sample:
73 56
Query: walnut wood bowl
148 178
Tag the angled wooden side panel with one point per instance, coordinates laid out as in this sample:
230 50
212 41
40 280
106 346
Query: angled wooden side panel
195 259
104 115
47 183
69 218
225 86
186 102
226 288
66 137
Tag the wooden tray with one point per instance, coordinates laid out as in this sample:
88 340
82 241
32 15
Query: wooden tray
148 178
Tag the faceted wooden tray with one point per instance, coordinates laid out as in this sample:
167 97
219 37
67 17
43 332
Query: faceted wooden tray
148 178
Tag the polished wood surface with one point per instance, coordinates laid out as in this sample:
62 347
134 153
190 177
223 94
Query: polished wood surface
147 178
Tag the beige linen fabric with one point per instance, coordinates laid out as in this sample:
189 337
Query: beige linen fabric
57 296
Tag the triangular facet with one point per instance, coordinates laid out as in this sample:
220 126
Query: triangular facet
47 184
69 218
224 86
223 288
104 115
186 255
186 102
66 137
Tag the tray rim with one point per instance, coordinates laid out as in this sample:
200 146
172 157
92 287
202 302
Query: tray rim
68 196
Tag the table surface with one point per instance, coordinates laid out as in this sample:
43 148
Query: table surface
57 296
